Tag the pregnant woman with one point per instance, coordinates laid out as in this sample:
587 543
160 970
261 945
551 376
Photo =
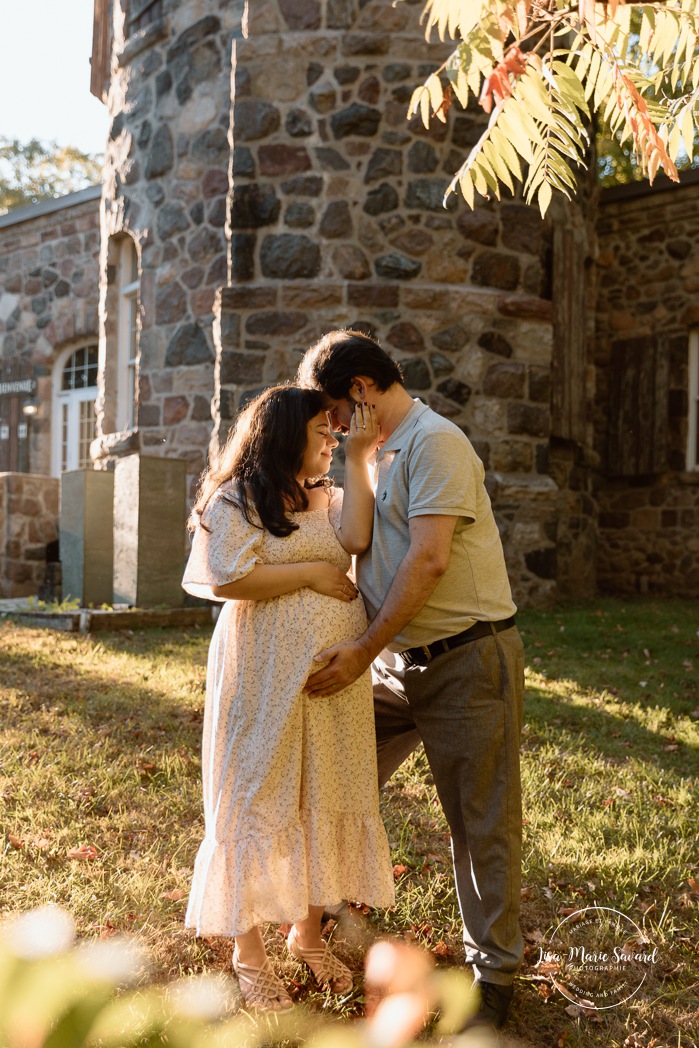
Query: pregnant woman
290 783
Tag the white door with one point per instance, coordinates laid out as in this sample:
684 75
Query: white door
74 410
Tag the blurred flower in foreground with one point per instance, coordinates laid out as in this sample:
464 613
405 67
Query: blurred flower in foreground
46 932
57 995
404 992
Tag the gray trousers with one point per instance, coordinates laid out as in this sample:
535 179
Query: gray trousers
466 707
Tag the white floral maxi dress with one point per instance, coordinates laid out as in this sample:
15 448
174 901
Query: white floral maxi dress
290 784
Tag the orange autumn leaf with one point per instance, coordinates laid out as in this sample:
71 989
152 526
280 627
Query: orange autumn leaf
175 895
441 949
15 842
399 870
85 853
498 86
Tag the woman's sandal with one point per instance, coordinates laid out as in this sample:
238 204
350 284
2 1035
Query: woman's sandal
330 973
260 987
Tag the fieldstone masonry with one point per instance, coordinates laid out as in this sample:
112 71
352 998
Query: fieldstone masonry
647 303
165 185
337 219
48 294
48 304
28 523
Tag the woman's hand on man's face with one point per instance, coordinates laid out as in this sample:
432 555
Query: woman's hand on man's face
364 433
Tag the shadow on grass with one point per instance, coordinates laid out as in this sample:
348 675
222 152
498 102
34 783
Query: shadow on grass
46 677
601 733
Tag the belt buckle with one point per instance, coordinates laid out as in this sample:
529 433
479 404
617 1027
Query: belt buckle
418 656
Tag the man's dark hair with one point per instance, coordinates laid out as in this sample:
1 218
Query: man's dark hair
338 357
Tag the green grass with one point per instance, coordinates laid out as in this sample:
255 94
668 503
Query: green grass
101 748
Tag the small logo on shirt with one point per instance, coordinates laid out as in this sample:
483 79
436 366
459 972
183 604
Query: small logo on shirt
383 497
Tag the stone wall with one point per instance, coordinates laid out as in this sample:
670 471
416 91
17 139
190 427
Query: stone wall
48 294
28 522
337 220
647 304
165 185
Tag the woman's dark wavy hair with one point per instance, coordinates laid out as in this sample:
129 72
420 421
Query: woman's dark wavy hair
339 357
261 458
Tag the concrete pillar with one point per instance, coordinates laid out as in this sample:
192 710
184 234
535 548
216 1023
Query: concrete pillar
86 536
149 522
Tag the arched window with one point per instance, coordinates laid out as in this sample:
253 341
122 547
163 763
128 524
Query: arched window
75 392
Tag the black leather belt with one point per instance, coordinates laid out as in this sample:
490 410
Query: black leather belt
423 654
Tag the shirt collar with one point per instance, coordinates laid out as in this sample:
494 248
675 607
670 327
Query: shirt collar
395 441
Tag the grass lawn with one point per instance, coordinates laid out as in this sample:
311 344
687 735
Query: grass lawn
101 755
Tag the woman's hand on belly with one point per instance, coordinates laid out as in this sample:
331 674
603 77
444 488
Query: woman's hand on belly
331 581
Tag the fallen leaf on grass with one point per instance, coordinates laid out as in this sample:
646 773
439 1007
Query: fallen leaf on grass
106 930
84 853
545 991
144 767
671 748
694 885
621 792
15 842
577 1011
636 1040
441 949
572 913
399 870
42 844
175 895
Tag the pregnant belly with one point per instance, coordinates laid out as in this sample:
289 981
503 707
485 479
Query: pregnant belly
308 620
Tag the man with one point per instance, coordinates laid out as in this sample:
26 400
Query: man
447 658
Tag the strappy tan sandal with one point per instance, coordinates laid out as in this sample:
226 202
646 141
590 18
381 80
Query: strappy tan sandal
260 987
329 972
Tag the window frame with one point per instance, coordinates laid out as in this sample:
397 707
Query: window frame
66 399
127 335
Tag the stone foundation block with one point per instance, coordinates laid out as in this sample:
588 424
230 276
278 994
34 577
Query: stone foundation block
86 536
149 521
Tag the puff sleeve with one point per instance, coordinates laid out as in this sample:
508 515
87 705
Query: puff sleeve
226 552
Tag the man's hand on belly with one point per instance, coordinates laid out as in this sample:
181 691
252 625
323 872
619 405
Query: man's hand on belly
346 664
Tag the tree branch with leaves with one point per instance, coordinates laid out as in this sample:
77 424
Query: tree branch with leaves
35 170
542 68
